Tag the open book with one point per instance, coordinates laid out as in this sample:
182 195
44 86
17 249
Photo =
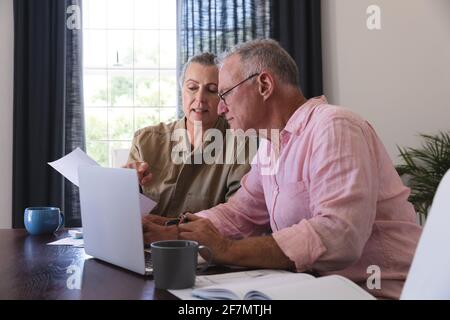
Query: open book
277 285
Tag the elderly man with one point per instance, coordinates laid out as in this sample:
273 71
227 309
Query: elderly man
331 203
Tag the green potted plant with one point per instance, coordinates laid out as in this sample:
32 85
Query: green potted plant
423 169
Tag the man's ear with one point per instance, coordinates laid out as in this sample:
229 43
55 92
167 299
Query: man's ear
266 84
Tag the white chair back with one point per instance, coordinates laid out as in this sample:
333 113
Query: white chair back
429 275
119 157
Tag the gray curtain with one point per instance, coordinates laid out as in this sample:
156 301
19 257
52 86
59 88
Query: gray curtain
74 114
48 104
296 24
216 25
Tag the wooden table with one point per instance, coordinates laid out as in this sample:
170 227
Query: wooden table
30 269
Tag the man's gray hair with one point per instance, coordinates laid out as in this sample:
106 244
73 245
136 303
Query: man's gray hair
265 54
205 59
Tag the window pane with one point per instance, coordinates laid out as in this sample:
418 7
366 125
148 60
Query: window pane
144 117
96 124
146 49
147 88
120 88
168 87
95 88
168 114
120 123
120 49
120 14
94 50
94 14
168 15
99 152
146 13
130 58
168 49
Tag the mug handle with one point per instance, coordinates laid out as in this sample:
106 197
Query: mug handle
210 257
61 224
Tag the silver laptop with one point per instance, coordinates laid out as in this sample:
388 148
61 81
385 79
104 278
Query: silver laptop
110 212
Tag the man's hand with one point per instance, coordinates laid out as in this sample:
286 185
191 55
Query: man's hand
205 233
144 175
253 252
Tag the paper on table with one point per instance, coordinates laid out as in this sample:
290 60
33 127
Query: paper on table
68 167
67 242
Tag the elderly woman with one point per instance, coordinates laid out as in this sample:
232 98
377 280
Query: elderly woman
187 186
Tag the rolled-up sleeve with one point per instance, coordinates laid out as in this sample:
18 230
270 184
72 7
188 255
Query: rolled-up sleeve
343 188
245 214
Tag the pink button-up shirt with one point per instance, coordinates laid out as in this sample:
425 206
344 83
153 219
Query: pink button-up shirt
332 200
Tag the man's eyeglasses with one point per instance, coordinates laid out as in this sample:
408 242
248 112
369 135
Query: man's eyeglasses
223 94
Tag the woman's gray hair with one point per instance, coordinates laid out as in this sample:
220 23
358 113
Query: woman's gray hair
265 54
205 59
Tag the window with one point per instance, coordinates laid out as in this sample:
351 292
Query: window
129 70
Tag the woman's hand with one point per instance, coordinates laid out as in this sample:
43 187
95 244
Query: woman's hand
144 175
155 219
154 232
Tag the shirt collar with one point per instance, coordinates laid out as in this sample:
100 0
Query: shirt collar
221 124
300 117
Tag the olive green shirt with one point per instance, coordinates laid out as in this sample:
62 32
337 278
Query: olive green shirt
178 188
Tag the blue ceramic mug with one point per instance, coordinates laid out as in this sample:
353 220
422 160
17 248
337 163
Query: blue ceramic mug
43 220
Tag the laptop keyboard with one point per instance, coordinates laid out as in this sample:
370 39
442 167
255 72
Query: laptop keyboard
148 260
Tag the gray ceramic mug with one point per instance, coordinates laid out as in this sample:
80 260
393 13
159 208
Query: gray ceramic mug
175 263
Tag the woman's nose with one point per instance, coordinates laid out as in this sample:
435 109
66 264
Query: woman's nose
201 95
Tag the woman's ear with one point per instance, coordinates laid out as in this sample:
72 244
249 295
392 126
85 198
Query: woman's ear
266 84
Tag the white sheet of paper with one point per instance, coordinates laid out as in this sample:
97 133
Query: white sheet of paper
68 167
67 242
146 204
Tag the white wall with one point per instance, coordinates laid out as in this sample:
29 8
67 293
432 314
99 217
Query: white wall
398 77
6 110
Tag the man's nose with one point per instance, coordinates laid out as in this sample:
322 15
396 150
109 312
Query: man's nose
222 108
